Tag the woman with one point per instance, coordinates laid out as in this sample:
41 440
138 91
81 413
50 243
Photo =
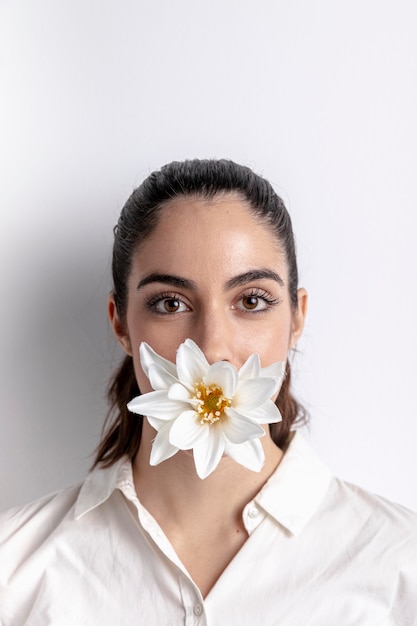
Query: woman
204 251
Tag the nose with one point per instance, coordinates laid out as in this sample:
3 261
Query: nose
214 335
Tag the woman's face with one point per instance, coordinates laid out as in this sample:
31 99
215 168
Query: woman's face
210 271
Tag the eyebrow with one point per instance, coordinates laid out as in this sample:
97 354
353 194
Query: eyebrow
236 281
168 279
247 277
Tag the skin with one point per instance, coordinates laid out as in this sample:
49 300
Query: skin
233 301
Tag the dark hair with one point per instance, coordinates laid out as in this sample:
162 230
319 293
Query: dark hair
204 179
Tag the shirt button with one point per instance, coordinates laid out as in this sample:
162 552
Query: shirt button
198 609
253 512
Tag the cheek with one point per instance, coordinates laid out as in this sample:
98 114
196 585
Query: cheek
271 343
275 349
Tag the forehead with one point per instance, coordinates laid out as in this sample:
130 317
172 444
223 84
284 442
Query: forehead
221 234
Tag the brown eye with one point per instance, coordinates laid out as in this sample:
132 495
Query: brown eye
166 304
171 305
250 302
256 301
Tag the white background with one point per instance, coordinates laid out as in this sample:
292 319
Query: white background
320 97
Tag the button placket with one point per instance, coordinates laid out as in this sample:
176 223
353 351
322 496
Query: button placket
198 610
253 512
252 516
192 602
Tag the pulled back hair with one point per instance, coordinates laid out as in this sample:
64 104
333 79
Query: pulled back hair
203 179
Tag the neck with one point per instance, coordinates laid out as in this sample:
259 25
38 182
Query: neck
201 518
173 487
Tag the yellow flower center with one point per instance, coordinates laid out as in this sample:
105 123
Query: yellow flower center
212 403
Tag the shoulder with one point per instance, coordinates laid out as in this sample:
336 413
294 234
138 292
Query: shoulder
27 537
378 537
362 502
57 502
45 544
40 528
337 501
372 522
25 528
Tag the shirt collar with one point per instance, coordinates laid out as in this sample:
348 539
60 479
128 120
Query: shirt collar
100 484
291 495
295 490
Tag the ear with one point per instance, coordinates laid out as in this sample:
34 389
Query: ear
298 317
117 325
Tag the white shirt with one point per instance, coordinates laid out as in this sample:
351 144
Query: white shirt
320 552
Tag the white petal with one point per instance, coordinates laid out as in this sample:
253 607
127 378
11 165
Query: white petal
196 350
159 377
267 413
208 453
148 356
276 370
178 392
186 431
191 363
223 374
253 392
157 423
250 454
238 428
157 404
162 449
251 368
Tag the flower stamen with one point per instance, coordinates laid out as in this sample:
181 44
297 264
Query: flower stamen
211 403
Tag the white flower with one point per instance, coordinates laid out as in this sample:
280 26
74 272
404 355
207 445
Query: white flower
211 409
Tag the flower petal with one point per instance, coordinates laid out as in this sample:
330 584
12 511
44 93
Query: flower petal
186 431
276 371
196 350
251 368
171 408
162 449
253 392
156 422
250 454
191 363
208 453
148 356
267 413
237 428
179 392
159 377
157 404
223 374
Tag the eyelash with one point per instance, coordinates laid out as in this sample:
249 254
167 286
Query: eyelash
261 294
153 301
